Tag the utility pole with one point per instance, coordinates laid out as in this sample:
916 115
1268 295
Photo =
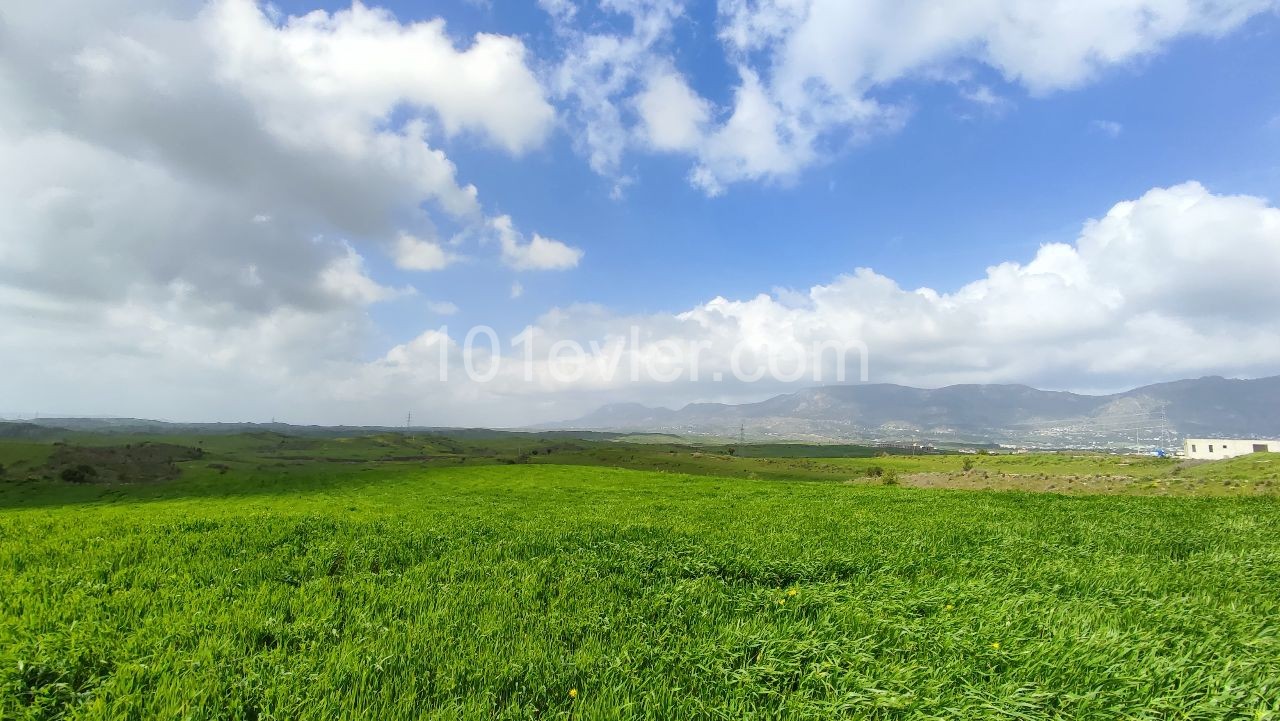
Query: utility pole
408 420
742 433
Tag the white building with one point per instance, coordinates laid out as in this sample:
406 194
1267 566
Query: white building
1214 449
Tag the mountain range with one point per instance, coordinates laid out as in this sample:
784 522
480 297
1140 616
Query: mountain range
1153 415
1157 415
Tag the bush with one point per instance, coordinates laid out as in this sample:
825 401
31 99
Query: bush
967 464
875 471
890 478
80 474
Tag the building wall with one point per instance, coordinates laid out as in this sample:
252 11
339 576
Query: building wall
1213 449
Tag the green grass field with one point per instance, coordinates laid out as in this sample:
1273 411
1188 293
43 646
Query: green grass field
464 585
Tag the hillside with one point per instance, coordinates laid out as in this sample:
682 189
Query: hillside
320 591
1153 415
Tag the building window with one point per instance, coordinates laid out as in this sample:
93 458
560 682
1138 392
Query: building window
1260 448
1193 448
1211 448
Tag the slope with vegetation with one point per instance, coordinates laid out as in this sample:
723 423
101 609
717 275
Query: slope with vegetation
432 577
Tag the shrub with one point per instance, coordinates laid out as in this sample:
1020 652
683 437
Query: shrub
875 471
82 473
890 478
967 464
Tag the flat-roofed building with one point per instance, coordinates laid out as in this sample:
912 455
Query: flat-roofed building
1213 449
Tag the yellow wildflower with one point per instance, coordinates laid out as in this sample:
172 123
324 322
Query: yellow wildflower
996 645
792 593
948 607
573 693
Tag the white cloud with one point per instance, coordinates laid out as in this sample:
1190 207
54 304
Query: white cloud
229 275
293 116
292 121
1129 301
362 63
814 74
828 58
1045 46
517 289
559 10
542 254
753 143
345 277
538 254
988 101
1109 128
442 307
1137 295
412 253
600 71
188 192
672 115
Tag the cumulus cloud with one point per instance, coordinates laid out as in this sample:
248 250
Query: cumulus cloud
1136 295
363 62
175 122
602 70
193 195
813 74
412 253
189 192
345 278
539 253
1129 299
672 115
751 144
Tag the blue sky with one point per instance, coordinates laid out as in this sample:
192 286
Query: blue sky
236 210
958 188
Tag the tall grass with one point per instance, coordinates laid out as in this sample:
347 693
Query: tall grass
530 591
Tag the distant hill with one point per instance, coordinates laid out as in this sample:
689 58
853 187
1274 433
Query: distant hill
1154 414
882 414
54 428
30 431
